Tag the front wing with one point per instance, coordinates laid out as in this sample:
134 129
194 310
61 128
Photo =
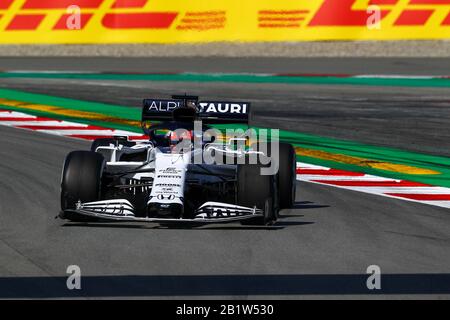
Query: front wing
122 211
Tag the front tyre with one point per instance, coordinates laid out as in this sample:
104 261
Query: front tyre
255 189
81 180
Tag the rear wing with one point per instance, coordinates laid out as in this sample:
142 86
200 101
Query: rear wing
209 112
224 112
160 110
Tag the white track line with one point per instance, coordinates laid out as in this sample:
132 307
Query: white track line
76 130
42 123
94 132
384 191
14 114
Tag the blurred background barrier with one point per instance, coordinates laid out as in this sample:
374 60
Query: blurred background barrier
199 21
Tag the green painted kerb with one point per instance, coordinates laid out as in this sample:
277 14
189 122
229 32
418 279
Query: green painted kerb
72 104
306 141
241 78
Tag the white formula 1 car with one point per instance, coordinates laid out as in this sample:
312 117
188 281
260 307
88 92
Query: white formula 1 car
166 178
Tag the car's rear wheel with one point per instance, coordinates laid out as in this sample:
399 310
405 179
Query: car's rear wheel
81 180
255 189
287 176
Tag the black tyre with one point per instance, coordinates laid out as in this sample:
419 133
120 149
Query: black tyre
287 176
254 189
81 179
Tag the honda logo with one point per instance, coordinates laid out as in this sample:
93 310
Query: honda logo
165 197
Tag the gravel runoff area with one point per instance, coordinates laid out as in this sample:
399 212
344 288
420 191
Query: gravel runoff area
229 49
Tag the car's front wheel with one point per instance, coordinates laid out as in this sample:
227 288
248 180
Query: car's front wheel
255 189
81 179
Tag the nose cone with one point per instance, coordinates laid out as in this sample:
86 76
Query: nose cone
165 210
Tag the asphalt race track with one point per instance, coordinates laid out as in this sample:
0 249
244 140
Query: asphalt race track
321 248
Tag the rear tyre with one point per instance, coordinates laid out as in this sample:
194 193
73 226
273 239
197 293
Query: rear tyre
287 176
81 180
254 189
